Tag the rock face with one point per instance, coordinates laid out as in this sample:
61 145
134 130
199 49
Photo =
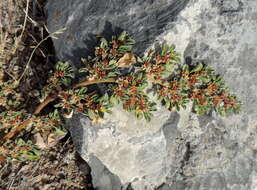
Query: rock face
83 20
179 151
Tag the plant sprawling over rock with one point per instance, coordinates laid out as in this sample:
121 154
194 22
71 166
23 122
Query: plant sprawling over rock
126 77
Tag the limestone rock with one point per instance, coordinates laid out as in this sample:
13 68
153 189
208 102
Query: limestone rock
83 20
179 151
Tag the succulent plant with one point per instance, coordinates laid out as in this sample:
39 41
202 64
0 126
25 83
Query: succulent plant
175 84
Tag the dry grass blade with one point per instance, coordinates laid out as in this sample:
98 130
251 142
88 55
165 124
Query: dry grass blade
10 12
4 52
25 19
1 14
52 35
3 41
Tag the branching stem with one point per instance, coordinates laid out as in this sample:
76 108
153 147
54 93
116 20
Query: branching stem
44 103
84 83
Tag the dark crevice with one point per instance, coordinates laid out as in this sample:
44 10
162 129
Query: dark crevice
186 158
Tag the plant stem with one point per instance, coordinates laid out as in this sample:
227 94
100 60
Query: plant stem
44 103
84 83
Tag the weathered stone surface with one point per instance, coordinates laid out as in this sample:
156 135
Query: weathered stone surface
144 20
175 150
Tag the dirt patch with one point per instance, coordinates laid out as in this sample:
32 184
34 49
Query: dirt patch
59 168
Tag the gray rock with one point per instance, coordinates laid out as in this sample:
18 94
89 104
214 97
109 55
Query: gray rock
144 20
179 151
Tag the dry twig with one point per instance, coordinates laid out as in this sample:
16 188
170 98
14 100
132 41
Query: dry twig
52 35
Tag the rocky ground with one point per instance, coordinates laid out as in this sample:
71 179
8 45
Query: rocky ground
59 167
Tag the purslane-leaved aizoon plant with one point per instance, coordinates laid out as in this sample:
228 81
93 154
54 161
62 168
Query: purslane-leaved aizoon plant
175 84
126 77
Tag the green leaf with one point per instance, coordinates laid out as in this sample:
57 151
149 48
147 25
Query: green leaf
139 75
185 67
177 107
31 156
167 104
36 151
112 62
104 43
146 59
101 114
54 115
20 142
166 99
59 131
139 114
65 66
147 116
113 100
199 67
165 74
204 79
104 98
122 36
165 49
199 110
130 41
66 81
169 67
143 86
125 48
221 111
184 106
91 114
152 104
81 91
111 74
58 65
108 111
112 67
